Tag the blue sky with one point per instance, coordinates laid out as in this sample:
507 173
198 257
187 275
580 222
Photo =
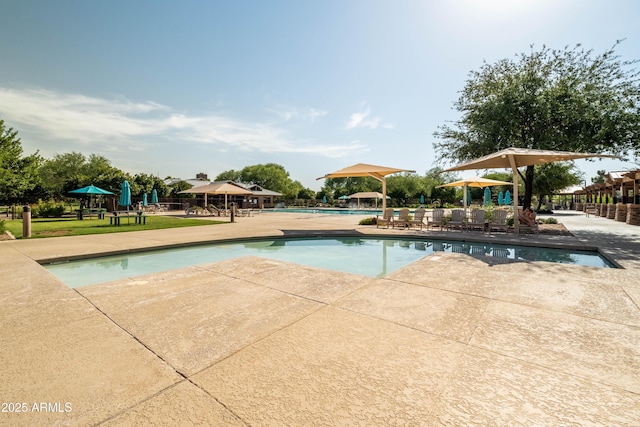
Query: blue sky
173 88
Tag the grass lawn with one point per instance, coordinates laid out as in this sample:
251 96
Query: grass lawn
55 227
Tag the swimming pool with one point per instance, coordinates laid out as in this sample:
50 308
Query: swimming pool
374 257
327 211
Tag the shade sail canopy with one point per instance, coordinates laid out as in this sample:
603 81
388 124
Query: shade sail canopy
522 157
91 190
515 158
367 195
225 188
475 182
363 169
217 188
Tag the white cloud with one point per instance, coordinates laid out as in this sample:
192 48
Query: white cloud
362 119
83 120
289 113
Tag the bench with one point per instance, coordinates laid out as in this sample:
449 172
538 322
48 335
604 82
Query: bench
98 213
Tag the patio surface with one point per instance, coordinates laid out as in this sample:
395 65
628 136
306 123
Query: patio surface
447 340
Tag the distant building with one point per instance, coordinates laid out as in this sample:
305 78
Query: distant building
200 179
260 198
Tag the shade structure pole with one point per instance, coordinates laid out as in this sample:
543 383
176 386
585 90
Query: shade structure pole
384 194
516 220
464 199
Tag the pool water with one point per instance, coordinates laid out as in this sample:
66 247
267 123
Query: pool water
374 257
327 211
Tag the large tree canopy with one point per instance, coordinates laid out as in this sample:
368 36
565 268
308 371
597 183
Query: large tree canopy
569 100
18 174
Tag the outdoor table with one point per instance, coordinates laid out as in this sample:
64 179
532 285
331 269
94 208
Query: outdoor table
99 212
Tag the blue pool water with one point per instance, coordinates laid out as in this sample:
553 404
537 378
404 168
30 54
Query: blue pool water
328 211
374 257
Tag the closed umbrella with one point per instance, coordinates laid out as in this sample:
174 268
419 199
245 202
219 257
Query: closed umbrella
144 200
324 199
500 198
154 197
422 199
507 198
125 195
487 196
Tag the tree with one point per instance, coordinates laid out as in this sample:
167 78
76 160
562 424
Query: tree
565 99
599 178
551 177
18 174
230 175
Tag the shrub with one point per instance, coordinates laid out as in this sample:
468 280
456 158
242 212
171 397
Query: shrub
368 221
47 210
549 221
2 229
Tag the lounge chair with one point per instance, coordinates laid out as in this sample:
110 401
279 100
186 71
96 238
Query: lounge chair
499 220
385 219
477 220
529 229
418 218
457 220
436 219
402 220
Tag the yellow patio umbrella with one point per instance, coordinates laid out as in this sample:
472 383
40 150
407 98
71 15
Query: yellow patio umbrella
223 187
514 158
474 182
374 171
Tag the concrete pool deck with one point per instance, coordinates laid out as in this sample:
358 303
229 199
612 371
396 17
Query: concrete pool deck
447 340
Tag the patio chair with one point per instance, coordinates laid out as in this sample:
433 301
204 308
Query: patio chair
457 220
592 209
385 219
402 220
418 218
499 220
477 220
436 219
529 229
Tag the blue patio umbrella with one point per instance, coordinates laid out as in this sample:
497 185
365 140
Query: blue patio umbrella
90 189
324 199
487 196
500 198
507 198
422 199
144 200
154 197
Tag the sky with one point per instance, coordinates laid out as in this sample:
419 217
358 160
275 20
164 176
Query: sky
175 88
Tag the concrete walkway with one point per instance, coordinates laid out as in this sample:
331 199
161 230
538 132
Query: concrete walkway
447 340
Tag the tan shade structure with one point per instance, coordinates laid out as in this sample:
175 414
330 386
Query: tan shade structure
514 158
367 195
363 169
225 188
474 182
